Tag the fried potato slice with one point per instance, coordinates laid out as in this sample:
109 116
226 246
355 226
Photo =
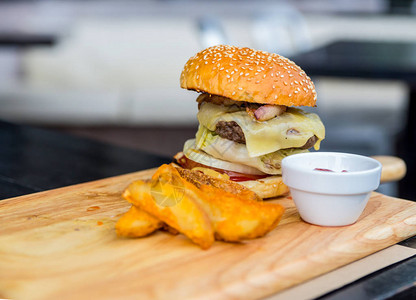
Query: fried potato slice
137 223
236 218
167 198
201 210
198 178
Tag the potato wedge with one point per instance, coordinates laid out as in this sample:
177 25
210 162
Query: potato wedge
236 215
236 218
137 223
202 210
172 204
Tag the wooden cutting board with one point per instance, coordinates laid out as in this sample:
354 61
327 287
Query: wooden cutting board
61 244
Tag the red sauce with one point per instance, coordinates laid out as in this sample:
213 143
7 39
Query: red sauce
324 170
234 176
327 170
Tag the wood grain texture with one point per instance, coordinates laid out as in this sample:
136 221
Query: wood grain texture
61 244
394 168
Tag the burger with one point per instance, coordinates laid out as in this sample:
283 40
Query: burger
249 116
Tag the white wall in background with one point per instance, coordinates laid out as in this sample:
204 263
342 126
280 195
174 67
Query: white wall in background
126 70
120 71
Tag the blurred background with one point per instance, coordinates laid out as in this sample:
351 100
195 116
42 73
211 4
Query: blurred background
109 70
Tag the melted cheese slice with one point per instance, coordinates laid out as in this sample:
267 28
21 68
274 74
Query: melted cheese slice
268 136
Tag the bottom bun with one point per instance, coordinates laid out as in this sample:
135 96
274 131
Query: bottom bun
268 187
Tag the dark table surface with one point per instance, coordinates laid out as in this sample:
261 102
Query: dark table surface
374 60
33 160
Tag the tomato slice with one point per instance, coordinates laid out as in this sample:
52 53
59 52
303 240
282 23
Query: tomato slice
187 163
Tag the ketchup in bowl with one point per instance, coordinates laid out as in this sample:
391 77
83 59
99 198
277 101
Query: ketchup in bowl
327 170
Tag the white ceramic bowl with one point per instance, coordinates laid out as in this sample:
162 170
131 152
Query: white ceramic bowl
330 198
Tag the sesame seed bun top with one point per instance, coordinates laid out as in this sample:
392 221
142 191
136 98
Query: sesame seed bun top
244 74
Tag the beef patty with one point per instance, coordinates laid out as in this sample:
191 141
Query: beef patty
230 131
233 132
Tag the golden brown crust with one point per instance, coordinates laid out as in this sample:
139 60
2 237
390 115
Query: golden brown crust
137 223
198 179
268 187
244 74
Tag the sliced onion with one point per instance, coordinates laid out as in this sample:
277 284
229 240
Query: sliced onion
191 152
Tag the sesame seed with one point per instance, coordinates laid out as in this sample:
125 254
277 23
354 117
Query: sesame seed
282 76
296 92
290 95
196 68
240 88
275 96
285 82
233 93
